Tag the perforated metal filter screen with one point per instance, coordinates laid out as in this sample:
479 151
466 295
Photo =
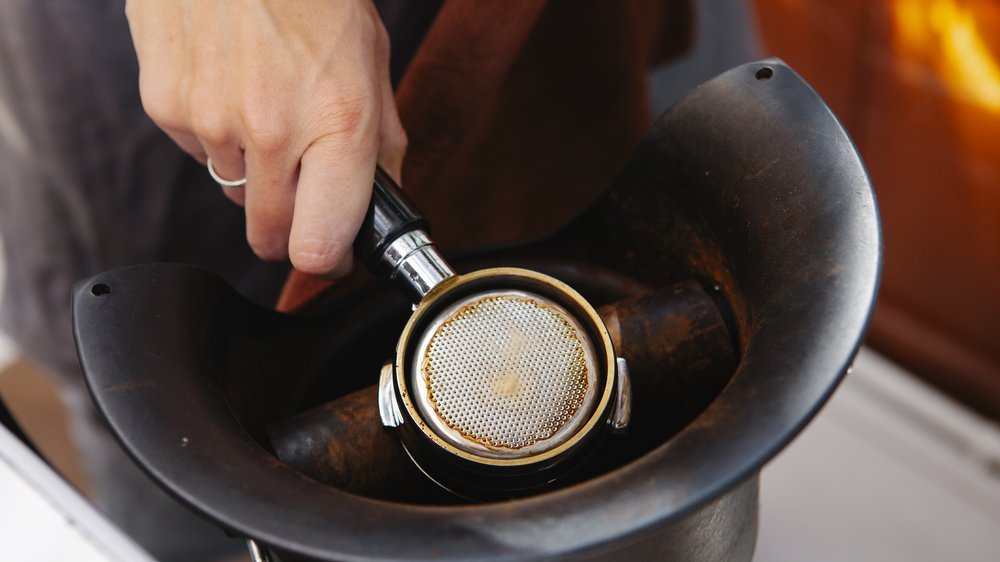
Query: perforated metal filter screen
506 370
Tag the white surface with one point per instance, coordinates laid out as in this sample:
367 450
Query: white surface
43 519
890 470
33 530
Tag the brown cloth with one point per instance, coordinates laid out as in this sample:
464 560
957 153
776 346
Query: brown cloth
519 113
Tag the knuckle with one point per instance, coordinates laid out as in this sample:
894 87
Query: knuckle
350 119
161 104
210 124
265 131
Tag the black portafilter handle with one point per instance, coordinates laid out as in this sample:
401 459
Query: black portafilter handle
390 215
393 241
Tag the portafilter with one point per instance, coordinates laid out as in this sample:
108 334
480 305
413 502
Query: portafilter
503 379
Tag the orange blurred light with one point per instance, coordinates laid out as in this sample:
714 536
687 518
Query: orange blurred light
944 36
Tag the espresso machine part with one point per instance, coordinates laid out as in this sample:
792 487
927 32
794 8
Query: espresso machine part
503 378
673 376
749 183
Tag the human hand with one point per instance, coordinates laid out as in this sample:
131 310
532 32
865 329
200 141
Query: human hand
294 96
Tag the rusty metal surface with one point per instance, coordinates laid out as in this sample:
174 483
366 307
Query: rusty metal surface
680 353
342 444
747 183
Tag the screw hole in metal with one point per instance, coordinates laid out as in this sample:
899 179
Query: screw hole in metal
764 73
100 289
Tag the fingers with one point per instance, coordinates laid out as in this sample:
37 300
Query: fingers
297 101
335 185
227 163
226 159
213 121
270 197
337 168
237 195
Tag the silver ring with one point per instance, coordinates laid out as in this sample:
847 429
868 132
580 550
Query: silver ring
224 182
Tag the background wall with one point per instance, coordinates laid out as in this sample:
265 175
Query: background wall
917 84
